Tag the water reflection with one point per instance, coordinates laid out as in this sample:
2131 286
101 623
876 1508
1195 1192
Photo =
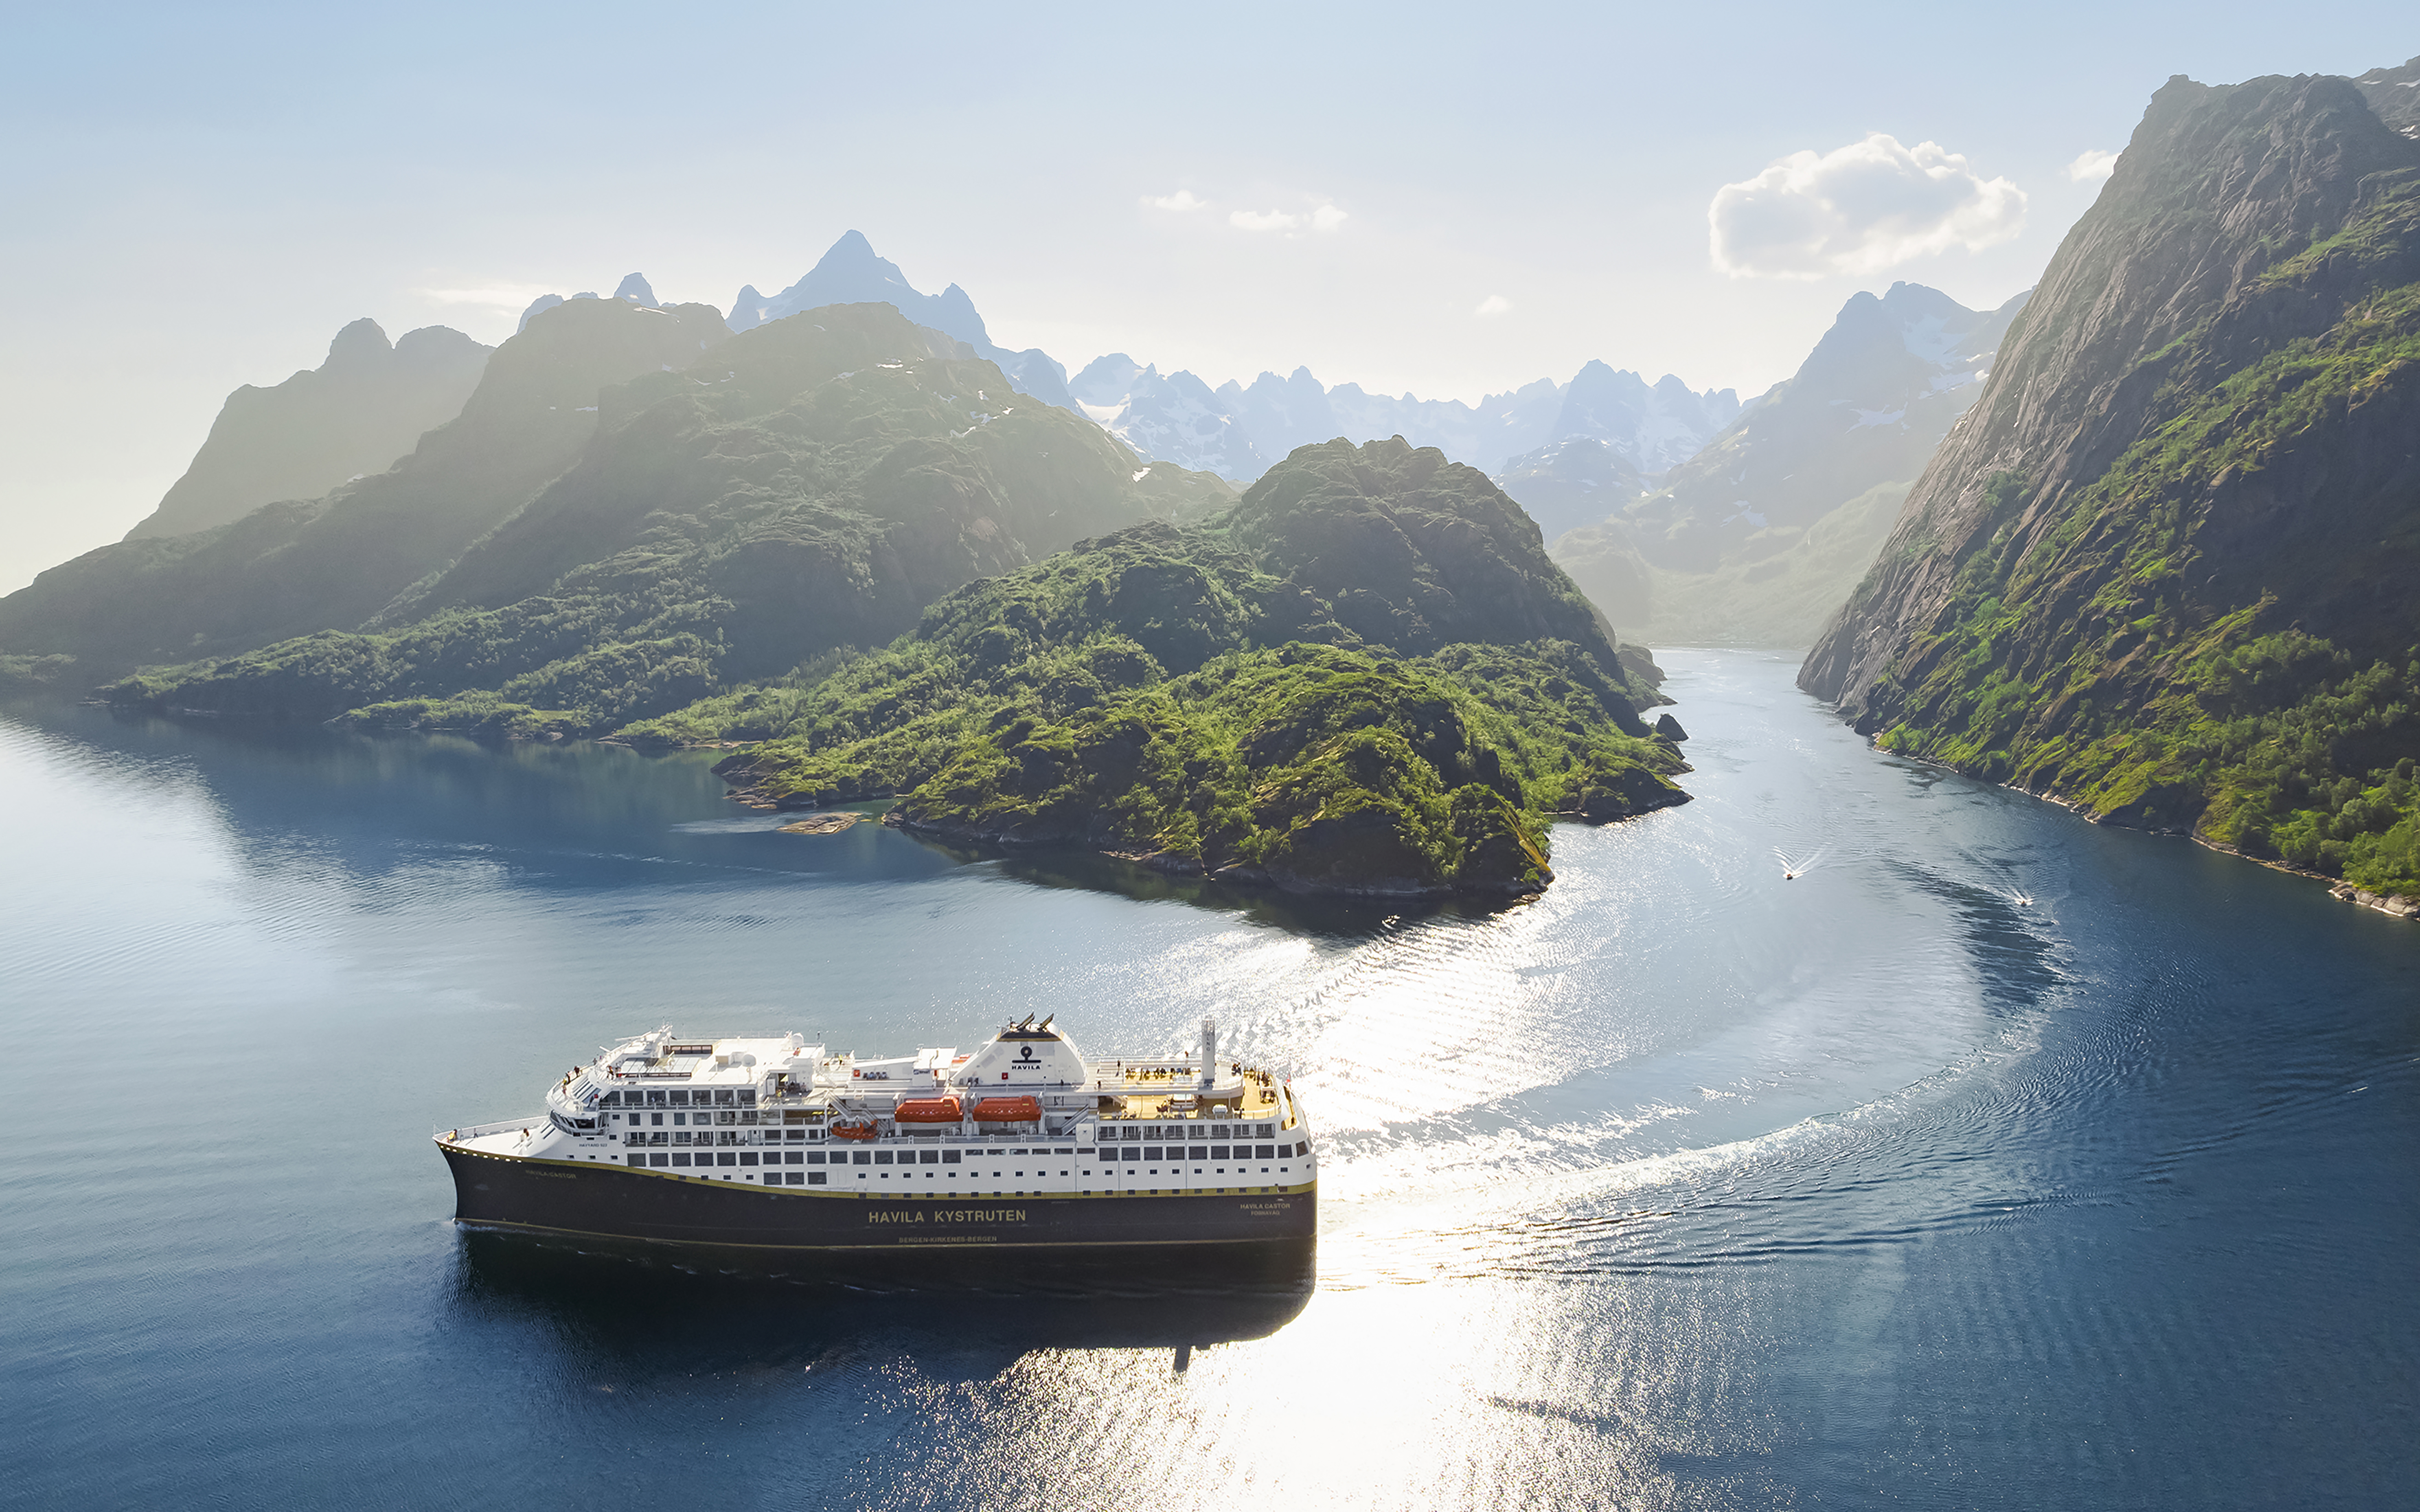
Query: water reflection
1680 1186
1124 1300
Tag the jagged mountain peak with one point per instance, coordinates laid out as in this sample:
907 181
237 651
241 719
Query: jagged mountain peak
634 288
2214 182
850 272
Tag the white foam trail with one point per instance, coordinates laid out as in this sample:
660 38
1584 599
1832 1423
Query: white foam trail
1790 868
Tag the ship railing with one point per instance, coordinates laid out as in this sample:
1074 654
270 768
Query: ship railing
479 1131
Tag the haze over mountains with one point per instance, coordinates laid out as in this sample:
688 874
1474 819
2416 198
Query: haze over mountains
353 414
1758 537
1239 431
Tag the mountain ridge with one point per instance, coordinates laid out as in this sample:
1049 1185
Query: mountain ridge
1759 535
361 408
2164 570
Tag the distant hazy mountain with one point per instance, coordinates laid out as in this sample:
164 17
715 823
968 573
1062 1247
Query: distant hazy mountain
352 415
294 567
852 273
812 484
1172 419
1611 435
1761 534
2394 96
1239 431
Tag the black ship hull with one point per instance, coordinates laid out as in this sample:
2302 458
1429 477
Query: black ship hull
503 1192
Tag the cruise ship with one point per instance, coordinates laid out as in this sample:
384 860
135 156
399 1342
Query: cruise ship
771 1143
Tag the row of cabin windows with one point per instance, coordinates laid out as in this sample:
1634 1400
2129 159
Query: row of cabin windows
726 1136
1179 1153
681 1162
1132 1131
682 1119
723 1097
932 1157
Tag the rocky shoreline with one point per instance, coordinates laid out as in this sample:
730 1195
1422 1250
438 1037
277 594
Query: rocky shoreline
2394 905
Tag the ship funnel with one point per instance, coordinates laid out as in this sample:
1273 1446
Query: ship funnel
1209 1052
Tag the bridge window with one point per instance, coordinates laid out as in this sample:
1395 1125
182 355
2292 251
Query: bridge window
815 1177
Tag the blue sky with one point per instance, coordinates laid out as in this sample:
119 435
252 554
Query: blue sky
1448 201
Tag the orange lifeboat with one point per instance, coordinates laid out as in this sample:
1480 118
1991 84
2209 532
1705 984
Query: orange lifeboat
1007 1110
927 1110
862 1129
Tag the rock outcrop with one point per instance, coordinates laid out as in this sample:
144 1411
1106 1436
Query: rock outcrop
2168 568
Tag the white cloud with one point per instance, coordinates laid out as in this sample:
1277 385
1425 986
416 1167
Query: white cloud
2091 164
1323 219
1865 207
1492 304
1184 199
513 298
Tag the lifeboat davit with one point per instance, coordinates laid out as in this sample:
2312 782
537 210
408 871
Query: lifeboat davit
862 1129
928 1110
1008 1110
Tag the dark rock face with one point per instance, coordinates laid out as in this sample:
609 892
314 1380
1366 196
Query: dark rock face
2168 569
2217 183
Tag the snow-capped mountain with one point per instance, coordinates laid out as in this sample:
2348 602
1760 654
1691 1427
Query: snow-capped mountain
1764 531
1173 418
1239 431
1612 435
1868 407
1259 425
852 273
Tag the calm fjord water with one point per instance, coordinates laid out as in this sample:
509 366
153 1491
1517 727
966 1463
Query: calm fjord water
1683 1186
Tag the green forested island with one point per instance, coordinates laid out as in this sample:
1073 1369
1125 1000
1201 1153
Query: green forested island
830 539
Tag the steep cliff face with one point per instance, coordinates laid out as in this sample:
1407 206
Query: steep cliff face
2165 567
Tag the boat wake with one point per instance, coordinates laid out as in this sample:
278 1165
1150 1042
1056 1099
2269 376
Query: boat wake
1790 869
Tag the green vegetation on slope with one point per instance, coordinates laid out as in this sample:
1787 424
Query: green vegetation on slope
1164 692
2132 659
1774 588
812 483
295 568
